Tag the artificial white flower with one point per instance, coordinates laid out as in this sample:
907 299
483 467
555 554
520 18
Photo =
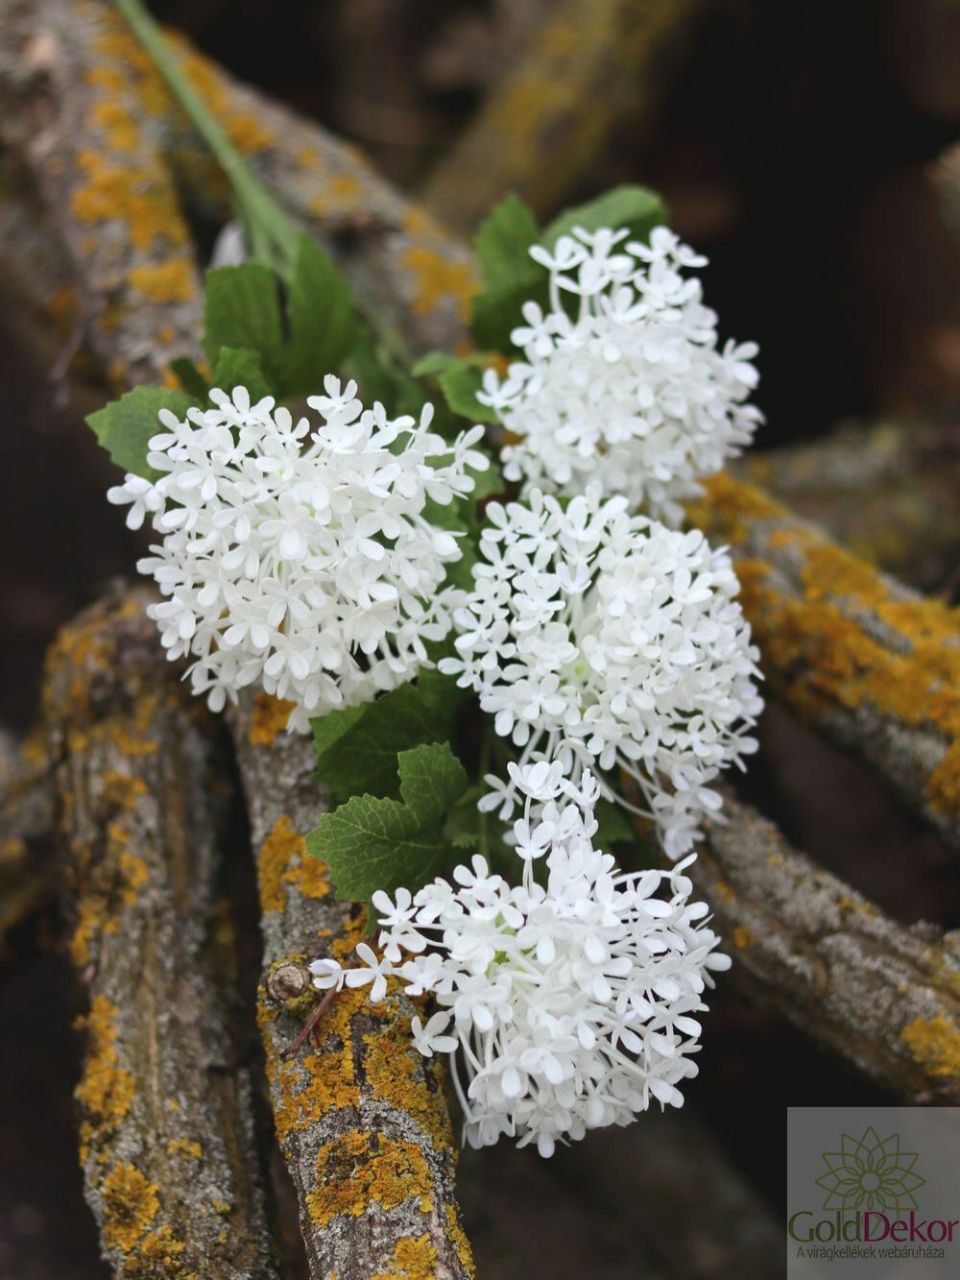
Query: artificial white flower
572 1002
604 640
623 381
301 558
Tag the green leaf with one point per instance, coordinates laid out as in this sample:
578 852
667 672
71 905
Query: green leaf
357 748
510 276
241 308
321 321
613 825
382 377
126 426
502 246
240 367
370 843
637 208
190 377
460 385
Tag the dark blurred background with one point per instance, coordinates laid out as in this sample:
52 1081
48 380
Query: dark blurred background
794 145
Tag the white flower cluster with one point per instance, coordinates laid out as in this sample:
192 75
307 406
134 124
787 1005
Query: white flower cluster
572 1002
605 640
623 382
301 558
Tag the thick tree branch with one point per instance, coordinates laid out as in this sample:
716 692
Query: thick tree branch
594 63
867 661
166 1128
361 1117
884 996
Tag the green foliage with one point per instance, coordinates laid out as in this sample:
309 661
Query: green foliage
637 208
510 277
242 311
190 377
357 747
373 843
460 378
240 367
126 426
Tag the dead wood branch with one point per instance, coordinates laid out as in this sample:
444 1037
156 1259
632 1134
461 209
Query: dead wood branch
883 996
361 1117
870 663
166 1128
27 864
594 63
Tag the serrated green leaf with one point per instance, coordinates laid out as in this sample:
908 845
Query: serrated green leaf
357 748
190 377
634 207
460 384
240 367
321 321
125 427
510 276
241 308
373 843
502 246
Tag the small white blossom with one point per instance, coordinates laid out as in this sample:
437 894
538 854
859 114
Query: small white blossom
572 1002
623 381
599 639
299 557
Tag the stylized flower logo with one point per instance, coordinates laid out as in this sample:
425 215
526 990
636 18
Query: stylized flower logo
870 1173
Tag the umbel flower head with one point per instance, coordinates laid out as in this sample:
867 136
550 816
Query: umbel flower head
623 381
567 1004
300 558
605 640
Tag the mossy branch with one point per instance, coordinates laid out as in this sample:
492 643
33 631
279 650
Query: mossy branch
164 1101
884 996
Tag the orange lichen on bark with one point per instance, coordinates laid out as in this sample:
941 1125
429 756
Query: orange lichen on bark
414 1258
833 635
436 279
269 718
396 1074
142 199
106 1089
172 281
130 1204
356 1170
934 1043
284 860
742 936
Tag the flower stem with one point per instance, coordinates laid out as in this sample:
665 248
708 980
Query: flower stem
271 234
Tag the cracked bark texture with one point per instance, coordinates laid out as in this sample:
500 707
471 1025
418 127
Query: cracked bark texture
865 660
166 1127
361 1117
884 996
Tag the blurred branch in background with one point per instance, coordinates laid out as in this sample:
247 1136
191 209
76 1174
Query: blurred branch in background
883 996
593 63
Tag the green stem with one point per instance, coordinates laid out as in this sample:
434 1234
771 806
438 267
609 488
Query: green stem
271 233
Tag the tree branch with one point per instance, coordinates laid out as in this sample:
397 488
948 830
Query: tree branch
27 866
535 135
361 1117
166 1128
865 660
883 996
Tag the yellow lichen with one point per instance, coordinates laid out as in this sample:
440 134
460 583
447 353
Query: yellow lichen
742 937
160 1253
358 1169
130 1204
437 279
171 281
934 1044
397 1075
185 1147
414 1258
269 718
106 1089
458 1238
284 860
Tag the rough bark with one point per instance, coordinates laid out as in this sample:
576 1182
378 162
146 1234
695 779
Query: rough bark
361 1117
883 996
27 871
867 661
166 1130
533 134
886 491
